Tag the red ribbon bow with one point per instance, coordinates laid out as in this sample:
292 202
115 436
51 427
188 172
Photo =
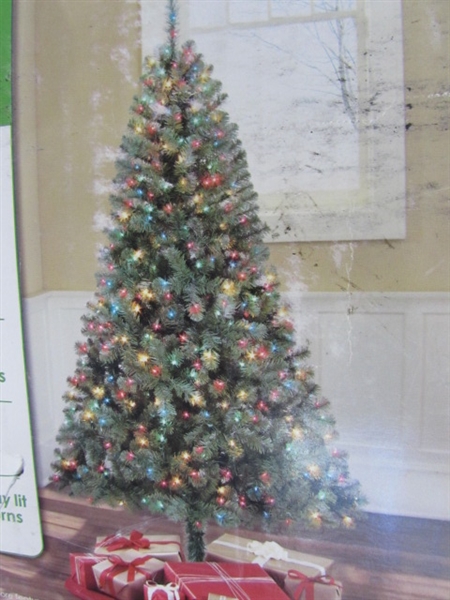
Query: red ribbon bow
162 591
136 541
307 584
118 565
160 595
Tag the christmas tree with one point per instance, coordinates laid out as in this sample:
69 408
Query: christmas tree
189 397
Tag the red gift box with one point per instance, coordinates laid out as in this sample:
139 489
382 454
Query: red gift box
240 581
78 590
321 587
81 569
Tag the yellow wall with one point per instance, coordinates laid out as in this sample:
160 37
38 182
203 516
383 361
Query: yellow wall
79 82
77 66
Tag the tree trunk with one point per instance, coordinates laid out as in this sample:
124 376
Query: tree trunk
196 543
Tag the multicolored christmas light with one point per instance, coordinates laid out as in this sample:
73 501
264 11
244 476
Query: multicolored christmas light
189 397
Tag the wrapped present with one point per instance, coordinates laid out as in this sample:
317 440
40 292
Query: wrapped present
156 591
164 547
321 587
79 591
125 579
275 559
240 581
81 569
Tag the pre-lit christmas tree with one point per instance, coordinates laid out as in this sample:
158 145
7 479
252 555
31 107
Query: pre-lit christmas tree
188 397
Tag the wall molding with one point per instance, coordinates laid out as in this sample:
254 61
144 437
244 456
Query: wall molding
382 359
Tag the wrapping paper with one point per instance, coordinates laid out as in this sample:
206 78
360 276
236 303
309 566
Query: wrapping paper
321 587
81 569
240 581
155 591
79 591
125 580
275 559
164 547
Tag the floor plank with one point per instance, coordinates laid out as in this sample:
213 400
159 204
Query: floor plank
384 558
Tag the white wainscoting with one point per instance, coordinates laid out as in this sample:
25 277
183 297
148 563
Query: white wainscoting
382 360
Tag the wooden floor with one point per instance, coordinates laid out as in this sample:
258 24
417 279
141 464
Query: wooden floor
385 558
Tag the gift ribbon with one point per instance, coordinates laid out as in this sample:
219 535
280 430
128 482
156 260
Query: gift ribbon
266 551
118 565
307 584
155 591
136 541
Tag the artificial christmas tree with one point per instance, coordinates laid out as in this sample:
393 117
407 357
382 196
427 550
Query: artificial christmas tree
189 397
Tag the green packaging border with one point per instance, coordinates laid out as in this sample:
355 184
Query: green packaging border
5 62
